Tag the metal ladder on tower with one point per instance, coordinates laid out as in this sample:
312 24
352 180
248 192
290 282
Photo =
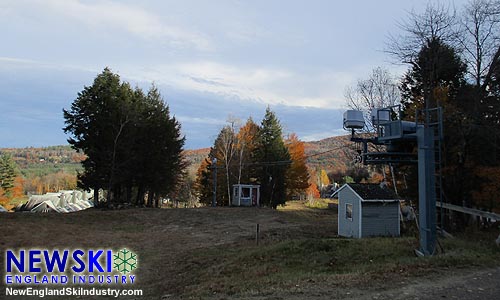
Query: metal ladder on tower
434 119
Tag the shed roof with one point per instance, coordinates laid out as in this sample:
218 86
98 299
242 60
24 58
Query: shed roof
371 192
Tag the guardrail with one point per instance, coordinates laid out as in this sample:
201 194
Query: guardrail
470 211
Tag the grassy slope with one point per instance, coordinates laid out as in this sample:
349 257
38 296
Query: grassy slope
212 252
308 265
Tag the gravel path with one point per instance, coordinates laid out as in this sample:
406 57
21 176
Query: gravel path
478 284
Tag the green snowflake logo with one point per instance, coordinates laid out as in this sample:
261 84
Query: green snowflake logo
125 261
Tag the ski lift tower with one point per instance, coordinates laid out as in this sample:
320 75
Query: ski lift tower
399 137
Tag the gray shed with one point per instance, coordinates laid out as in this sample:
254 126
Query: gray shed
367 210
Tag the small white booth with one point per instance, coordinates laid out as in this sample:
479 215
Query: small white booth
246 195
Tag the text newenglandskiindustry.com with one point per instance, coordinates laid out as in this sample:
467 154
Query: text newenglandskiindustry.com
42 292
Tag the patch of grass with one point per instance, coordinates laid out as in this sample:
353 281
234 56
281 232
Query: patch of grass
243 268
319 203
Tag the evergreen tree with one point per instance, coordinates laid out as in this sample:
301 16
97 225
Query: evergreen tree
437 79
159 154
274 160
437 69
130 140
96 125
203 184
7 175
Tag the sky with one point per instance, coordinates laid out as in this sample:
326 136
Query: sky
211 60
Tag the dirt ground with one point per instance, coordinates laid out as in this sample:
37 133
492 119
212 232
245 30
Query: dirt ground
165 239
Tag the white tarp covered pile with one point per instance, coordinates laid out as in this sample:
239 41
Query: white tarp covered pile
2 209
62 202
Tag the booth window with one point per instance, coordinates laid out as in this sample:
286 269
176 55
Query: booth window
348 211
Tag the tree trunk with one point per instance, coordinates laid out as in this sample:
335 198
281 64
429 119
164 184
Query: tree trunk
139 200
150 199
117 193
128 193
108 195
96 196
241 162
393 175
228 186
157 201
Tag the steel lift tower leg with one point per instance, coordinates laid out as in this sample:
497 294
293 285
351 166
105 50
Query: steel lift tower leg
426 191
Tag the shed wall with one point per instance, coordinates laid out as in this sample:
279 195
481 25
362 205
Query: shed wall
380 219
349 228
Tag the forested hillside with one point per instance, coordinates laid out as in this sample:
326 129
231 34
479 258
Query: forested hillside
43 161
42 170
330 154
194 159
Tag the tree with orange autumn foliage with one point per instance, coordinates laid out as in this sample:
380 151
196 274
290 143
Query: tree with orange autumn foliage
297 175
234 152
313 191
18 189
52 182
246 145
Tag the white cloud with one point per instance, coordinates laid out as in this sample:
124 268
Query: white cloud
13 63
323 135
18 61
264 85
103 15
197 120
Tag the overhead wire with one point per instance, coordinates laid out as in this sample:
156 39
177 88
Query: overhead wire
327 151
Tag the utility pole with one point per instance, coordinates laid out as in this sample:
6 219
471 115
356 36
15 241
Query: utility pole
214 166
426 191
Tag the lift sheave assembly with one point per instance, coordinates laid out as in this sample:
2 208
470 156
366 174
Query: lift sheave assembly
399 138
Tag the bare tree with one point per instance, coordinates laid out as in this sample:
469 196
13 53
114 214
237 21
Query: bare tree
479 38
436 22
227 149
377 91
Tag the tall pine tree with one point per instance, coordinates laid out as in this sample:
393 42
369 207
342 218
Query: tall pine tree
274 161
7 175
131 142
